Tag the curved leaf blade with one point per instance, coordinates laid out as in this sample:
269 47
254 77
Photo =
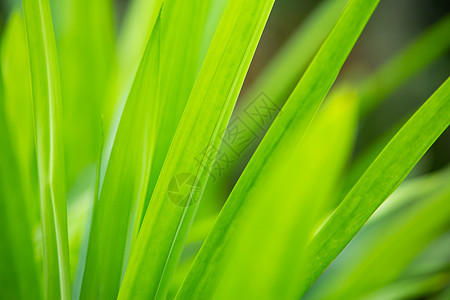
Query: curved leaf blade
46 93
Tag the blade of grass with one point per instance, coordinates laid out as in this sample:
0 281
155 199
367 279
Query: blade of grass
378 182
159 243
18 272
293 120
19 110
85 38
125 179
46 93
138 24
181 40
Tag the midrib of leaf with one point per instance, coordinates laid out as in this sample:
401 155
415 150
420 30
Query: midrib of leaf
378 182
295 117
48 124
159 243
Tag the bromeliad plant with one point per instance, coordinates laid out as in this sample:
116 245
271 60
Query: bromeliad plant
142 129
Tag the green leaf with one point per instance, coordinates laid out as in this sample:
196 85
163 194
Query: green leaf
182 37
86 48
422 287
138 24
292 121
18 271
125 179
19 110
378 182
159 243
46 93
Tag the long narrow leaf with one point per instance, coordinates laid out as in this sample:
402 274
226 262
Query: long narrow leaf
18 272
19 110
46 92
180 58
170 212
125 179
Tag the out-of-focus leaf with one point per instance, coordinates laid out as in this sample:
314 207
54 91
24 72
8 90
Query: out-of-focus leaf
427 48
19 110
181 40
281 75
378 182
414 288
408 234
138 23
46 93
85 40
18 272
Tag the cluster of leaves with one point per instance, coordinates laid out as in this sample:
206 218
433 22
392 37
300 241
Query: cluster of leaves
134 123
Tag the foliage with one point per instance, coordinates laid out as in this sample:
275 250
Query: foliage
116 147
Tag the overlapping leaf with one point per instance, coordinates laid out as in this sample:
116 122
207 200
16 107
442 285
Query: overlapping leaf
46 93
378 182
125 179
160 240
293 120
